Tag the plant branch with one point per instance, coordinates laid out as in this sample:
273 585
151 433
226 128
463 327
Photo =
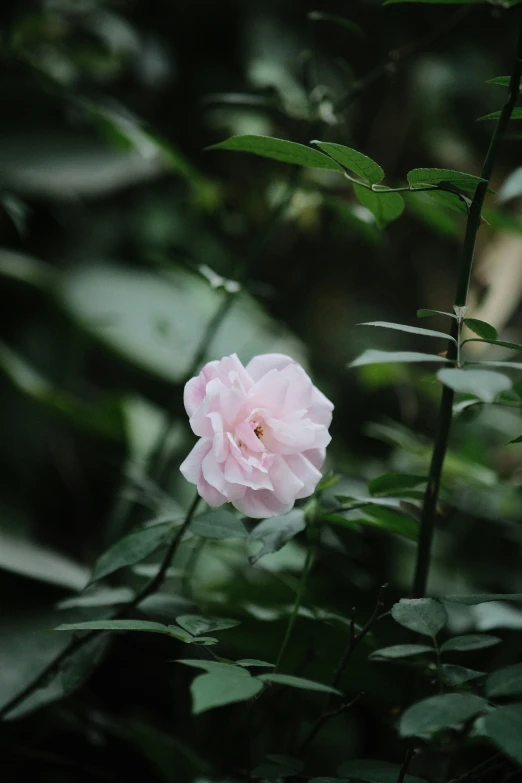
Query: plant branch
354 641
297 603
446 405
77 643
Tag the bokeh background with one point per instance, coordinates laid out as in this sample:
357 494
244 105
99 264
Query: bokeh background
130 254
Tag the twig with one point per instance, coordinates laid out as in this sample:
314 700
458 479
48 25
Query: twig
405 764
354 641
77 643
324 718
446 405
482 767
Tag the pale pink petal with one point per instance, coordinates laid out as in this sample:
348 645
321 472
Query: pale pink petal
320 410
260 365
213 473
255 479
246 435
269 392
287 485
316 457
305 472
191 466
261 503
210 494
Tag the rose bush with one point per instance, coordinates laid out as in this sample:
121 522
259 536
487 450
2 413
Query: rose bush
263 431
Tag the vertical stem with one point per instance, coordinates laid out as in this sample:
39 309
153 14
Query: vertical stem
297 603
461 296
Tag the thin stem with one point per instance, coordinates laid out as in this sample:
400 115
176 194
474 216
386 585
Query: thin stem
405 764
319 724
297 603
446 404
76 644
484 765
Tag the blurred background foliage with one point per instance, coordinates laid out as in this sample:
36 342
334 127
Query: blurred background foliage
129 255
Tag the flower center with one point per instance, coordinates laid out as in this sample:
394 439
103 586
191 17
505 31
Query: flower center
259 431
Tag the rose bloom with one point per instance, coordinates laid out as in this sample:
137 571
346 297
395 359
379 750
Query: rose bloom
263 431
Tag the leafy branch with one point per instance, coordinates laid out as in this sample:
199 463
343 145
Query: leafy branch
461 297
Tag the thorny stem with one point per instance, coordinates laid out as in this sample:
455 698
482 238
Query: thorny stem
461 296
77 643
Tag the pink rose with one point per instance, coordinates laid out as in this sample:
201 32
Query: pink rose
263 431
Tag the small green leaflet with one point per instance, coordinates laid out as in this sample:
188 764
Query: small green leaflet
502 81
516 115
372 356
420 177
278 149
375 771
197 625
481 328
275 532
472 641
445 711
505 682
504 727
77 668
384 206
132 625
458 675
364 167
298 682
218 524
223 686
130 550
482 598
426 616
400 651
502 343
484 384
395 483
411 329
424 313
319 16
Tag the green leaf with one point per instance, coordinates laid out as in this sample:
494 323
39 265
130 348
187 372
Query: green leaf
77 668
501 343
410 329
207 665
426 616
504 727
354 161
253 662
278 149
273 771
392 520
298 682
384 206
218 524
512 187
424 313
419 177
375 771
505 682
197 625
395 483
372 356
445 711
223 686
481 328
454 201
20 555
131 550
503 81
472 641
484 384
275 532
516 115
401 651
458 675
319 16
127 625
515 440
482 598
106 596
